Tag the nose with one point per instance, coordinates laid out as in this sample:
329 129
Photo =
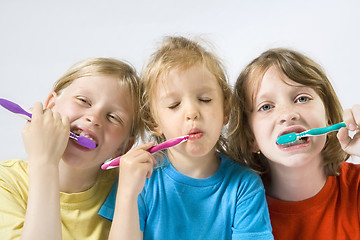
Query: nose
192 112
93 118
289 115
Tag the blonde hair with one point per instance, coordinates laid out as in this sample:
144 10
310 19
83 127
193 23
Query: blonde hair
299 69
179 53
106 66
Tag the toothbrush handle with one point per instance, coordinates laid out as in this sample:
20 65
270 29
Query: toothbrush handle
116 161
324 130
166 144
13 107
161 146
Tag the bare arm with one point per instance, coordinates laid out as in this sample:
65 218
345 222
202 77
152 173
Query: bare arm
135 166
45 139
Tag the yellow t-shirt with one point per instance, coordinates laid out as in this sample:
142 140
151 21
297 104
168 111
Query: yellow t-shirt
78 210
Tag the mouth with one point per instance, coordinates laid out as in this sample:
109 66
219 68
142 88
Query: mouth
85 133
298 141
195 134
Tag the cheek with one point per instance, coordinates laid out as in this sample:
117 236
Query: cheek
117 139
67 109
258 128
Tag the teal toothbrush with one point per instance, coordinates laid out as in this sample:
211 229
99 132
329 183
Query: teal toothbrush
291 137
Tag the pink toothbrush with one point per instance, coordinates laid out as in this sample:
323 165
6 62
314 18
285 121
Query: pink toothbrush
15 108
161 146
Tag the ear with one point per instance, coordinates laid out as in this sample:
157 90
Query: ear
254 147
50 101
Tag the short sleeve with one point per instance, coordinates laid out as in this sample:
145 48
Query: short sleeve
252 220
108 208
13 201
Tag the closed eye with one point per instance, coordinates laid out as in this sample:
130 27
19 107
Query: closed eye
205 100
115 118
174 105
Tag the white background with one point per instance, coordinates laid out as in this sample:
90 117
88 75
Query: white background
39 40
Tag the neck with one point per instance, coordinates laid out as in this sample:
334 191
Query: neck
296 183
199 167
73 180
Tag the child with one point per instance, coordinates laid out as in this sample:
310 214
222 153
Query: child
58 192
312 192
197 192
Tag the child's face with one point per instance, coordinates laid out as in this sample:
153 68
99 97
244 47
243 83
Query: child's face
280 108
100 108
190 102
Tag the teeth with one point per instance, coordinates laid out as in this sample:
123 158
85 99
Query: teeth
86 135
77 132
83 134
298 141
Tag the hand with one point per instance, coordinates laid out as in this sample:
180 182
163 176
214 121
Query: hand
46 136
352 120
135 166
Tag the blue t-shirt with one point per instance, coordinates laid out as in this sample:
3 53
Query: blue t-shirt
229 205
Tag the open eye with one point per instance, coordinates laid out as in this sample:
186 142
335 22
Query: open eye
83 100
265 107
302 99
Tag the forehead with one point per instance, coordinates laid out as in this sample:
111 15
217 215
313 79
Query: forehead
195 78
103 87
267 77
273 78
99 82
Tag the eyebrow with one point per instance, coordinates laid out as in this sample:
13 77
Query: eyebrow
268 94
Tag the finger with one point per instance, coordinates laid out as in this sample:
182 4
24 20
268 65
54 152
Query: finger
146 157
37 110
356 114
145 146
26 128
153 159
48 114
352 117
344 138
66 122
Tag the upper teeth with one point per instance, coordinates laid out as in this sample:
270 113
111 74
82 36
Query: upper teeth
81 133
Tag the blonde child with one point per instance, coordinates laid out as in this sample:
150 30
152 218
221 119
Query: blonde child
312 193
197 192
57 193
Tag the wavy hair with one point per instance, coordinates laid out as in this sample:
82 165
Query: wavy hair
299 69
179 53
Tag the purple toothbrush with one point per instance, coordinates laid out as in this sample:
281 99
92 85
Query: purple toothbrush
161 146
15 108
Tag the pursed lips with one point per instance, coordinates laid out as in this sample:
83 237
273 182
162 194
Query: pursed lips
195 134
